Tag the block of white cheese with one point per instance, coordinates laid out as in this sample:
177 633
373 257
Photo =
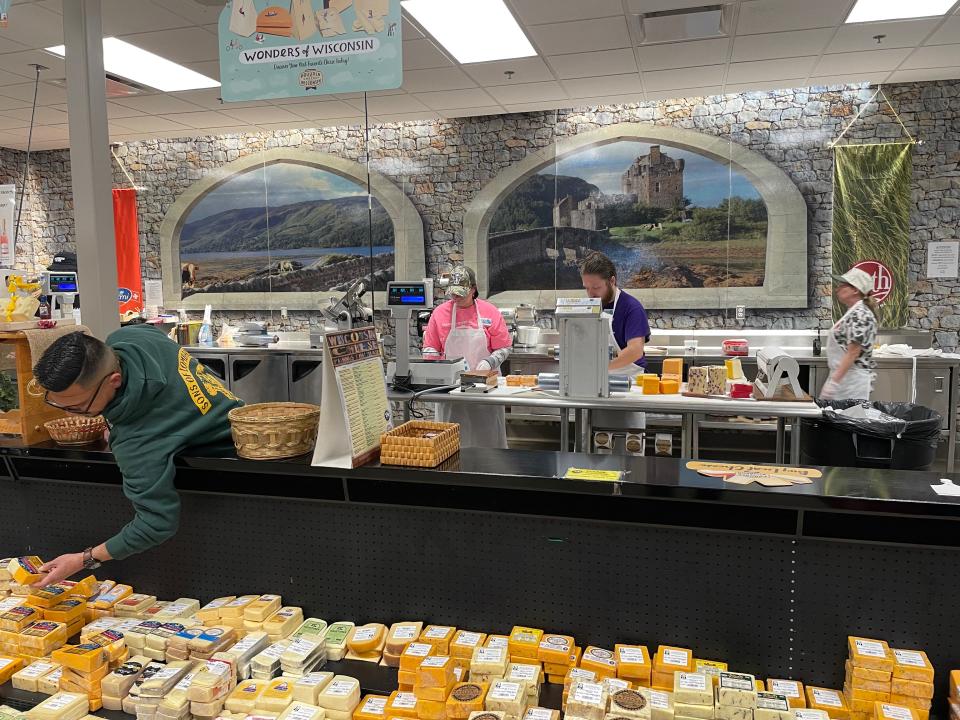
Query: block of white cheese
210 612
587 700
631 703
283 623
732 712
214 679
341 695
243 699
701 712
692 689
163 681
810 714
336 639
507 697
262 608
771 706
303 654
302 711
176 703
307 689
49 684
182 608
62 706
205 710
661 705
117 684
266 664
28 678
489 663
243 652
737 689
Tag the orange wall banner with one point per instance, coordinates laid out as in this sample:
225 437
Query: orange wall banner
126 230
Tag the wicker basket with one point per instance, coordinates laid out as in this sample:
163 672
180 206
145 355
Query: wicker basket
272 431
419 443
76 430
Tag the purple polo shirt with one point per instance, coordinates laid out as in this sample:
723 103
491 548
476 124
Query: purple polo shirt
629 321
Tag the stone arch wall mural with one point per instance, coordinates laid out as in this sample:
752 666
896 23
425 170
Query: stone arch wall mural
285 228
660 201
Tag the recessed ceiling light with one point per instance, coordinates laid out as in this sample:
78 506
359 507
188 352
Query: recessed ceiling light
128 61
876 10
472 30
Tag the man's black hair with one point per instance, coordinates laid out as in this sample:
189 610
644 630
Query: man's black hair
71 359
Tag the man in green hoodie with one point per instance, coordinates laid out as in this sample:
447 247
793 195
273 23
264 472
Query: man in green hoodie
158 401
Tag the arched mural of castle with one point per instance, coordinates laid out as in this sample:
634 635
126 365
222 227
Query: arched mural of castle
405 259
784 269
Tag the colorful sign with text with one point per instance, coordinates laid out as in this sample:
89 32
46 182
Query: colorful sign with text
304 48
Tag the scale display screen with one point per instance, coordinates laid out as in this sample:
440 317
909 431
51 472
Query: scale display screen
408 294
63 283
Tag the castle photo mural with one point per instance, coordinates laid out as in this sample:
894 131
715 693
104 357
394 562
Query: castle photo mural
286 227
662 214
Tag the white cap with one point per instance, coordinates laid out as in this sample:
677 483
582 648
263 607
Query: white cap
858 279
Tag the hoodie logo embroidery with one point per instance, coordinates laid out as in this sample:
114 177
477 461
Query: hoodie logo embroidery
193 388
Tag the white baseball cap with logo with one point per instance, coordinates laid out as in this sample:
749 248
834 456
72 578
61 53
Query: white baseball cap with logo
858 279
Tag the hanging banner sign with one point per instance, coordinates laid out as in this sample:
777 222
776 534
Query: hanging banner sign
8 230
305 48
4 9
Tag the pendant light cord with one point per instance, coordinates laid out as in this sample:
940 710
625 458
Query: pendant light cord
26 166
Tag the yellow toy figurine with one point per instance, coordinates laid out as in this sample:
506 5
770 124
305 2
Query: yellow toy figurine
22 305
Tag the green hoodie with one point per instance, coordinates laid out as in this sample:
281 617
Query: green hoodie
167 403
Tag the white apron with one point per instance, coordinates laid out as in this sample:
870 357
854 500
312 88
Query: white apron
480 425
619 419
857 382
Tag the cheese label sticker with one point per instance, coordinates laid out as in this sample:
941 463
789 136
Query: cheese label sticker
248 643
772 701
680 658
498 641
185 683
60 701
909 657
367 633
590 693
241 601
340 688
538 713
437 632
214 604
374 705
895 712
4 662
469 639
504 691
458 673
692 681
490 655
524 672
828 698
302 646
36 670
581 674
405 632
252 688
785 687
301 712
275 651
736 681
435 662
312 680
337 634
615 685
418 649
404 701
632 656
659 700
870 648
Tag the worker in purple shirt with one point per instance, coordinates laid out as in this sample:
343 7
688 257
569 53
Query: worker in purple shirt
630 329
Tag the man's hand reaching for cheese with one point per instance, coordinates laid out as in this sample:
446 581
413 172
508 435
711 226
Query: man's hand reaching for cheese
60 569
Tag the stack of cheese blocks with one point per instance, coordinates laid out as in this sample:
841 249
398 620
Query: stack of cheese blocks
668 661
367 642
84 666
340 698
336 639
400 636
489 663
153 689
231 613
241 655
108 594
671 376
411 657
586 700
21 572
465 700
792 690
372 707
256 613
912 683
435 679
61 706
30 677
135 605
693 697
877 674
8 713
463 645
955 695
634 664
558 653
307 649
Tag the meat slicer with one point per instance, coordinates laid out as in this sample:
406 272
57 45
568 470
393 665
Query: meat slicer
776 371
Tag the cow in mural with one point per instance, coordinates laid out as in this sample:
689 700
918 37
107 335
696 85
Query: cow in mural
188 274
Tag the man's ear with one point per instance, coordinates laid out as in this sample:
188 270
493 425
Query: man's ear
116 380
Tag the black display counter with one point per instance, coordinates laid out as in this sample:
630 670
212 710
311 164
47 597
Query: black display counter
770 580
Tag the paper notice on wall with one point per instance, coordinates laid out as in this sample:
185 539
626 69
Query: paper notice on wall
4 10
153 293
943 259
8 240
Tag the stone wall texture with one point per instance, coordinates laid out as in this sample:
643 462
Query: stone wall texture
442 164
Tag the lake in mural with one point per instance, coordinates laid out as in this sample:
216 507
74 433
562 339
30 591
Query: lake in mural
669 218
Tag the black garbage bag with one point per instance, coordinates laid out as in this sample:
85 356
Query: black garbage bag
909 443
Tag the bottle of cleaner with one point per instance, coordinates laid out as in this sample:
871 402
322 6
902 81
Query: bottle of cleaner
205 337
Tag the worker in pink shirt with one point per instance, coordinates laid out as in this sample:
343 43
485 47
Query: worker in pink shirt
468 327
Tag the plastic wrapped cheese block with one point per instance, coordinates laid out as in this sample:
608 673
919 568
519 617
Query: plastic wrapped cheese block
724 712
830 701
106 600
244 696
118 683
43 637
243 652
134 605
262 608
703 712
8 667
465 699
524 642
529 676
631 704
587 700
67 611
49 596
439 636
29 677
213 680
912 688
889 711
336 639
312 628
366 638
211 640
541 713
465 642
283 623
791 689
210 612
487 715
17 618
661 705
373 707
488 663
600 661
341 695
62 706
302 654
435 678
49 684
400 635
178 609
276 696
402 704
771 706
308 688
555 649
873 654
692 689
86 657
633 662
163 681
25 570
302 711
266 664
414 654
507 697
736 689
234 609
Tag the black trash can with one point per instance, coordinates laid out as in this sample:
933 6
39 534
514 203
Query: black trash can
840 441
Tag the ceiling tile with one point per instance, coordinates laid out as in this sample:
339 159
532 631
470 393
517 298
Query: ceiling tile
475 111
149 123
410 31
860 62
759 70
764 16
199 120
534 92
584 102
46 94
628 85
8 45
538 12
586 36
424 115
6 123
452 78
935 56
686 54
209 98
388 104
603 62
209 69
687 77
850 79
36 27
686 93
532 69
901 34
769 46
948 32
259 116
951 73
182 46
197 13
453 99
317 110
161 104
121 17
46 116
764 85
7 103
18 64
539 106
422 54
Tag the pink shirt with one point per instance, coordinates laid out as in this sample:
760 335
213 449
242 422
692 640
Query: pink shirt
491 321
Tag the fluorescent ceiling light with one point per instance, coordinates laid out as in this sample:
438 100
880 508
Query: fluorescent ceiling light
876 10
133 63
472 30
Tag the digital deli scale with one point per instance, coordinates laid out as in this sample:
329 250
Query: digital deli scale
403 299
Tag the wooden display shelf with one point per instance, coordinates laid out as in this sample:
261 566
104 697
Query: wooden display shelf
27 421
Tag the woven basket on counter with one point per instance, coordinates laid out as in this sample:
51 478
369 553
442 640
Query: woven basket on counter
419 443
272 431
76 430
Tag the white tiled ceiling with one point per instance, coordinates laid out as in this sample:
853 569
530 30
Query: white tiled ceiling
589 53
